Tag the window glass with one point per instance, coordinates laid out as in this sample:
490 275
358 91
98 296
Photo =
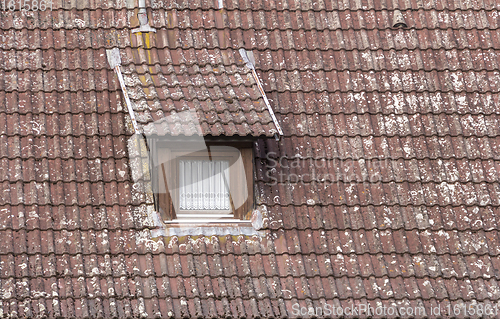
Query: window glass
203 185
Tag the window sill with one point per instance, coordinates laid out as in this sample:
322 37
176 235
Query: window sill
183 228
209 227
206 220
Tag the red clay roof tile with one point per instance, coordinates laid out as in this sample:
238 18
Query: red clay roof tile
412 110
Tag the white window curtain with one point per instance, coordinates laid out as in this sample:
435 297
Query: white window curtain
204 185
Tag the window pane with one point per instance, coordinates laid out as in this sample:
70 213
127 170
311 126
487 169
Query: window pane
203 185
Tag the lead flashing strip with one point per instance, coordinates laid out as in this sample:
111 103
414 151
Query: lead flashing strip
114 61
250 62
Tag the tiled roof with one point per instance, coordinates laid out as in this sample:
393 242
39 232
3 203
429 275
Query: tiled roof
403 211
215 83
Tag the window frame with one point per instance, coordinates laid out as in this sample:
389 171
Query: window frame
168 167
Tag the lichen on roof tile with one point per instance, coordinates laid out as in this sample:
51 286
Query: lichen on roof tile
383 190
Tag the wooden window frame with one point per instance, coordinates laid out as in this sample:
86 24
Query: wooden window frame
168 170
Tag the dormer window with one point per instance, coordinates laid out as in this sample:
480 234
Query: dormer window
210 185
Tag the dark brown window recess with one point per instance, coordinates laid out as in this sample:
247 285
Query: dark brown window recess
212 184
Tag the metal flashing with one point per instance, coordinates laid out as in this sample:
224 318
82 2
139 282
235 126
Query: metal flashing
114 61
249 59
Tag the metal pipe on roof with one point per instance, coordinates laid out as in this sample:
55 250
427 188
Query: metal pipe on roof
142 15
142 6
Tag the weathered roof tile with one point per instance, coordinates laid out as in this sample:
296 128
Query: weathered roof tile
408 118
